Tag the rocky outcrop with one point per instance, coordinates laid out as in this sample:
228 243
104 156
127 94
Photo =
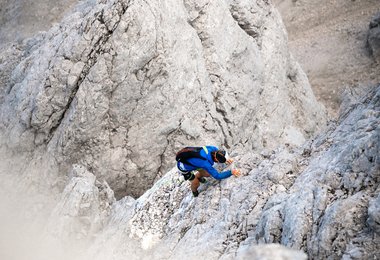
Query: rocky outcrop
118 86
83 207
322 199
373 38
100 103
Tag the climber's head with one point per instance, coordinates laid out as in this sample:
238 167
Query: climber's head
219 156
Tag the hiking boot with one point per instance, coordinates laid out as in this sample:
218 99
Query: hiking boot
202 180
195 193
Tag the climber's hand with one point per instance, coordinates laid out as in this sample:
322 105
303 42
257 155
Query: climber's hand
236 172
229 161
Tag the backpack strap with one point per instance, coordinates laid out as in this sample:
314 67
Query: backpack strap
190 152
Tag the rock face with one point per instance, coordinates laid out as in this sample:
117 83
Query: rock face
118 86
101 102
373 38
324 200
84 205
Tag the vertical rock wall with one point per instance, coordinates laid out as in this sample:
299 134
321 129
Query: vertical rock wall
118 86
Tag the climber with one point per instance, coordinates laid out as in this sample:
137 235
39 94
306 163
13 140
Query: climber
202 159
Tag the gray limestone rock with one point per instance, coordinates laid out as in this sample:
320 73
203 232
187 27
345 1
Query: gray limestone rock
269 252
107 96
374 215
373 37
83 207
325 203
119 86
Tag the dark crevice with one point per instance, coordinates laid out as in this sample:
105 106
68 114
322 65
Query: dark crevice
250 29
91 61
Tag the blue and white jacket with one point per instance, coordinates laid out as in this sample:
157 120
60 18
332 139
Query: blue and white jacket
205 164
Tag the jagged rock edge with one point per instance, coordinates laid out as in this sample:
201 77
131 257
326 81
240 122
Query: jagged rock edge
92 58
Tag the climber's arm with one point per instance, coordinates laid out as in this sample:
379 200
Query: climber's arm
218 175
